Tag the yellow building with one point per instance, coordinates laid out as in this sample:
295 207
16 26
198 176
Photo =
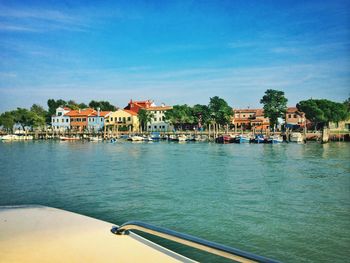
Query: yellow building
121 121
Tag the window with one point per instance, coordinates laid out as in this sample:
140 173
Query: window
289 115
163 127
120 118
129 118
155 119
62 120
243 115
149 127
124 119
163 118
84 119
155 127
66 120
101 119
59 113
295 116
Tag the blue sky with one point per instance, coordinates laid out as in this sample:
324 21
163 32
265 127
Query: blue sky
173 51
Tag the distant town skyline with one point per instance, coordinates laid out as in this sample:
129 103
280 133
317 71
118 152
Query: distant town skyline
174 52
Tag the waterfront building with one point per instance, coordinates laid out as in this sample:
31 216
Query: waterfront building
96 120
251 119
60 121
158 122
79 119
122 120
340 126
135 106
295 119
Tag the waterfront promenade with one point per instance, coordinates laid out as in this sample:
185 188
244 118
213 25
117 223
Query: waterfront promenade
309 135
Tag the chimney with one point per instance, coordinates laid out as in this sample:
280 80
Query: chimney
79 110
98 112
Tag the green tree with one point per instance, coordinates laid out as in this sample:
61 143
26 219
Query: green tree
7 120
72 105
103 105
220 111
201 114
275 105
323 111
53 105
23 117
39 110
180 115
82 105
347 103
145 117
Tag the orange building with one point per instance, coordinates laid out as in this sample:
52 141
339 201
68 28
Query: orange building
250 119
135 106
79 118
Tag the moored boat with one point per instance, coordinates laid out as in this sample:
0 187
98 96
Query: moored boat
242 139
296 137
65 138
95 139
274 139
155 136
182 138
136 138
147 138
260 138
15 137
28 235
224 139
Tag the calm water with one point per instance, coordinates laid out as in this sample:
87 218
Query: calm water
289 202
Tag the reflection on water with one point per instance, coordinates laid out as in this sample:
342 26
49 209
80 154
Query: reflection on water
289 201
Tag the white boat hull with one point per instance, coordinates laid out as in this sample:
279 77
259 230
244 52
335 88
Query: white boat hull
44 234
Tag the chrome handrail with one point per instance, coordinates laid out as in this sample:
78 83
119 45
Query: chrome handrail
192 241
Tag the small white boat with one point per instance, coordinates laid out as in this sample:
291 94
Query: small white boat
95 139
200 138
15 137
44 234
275 139
182 138
296 137
64 138
9 137
147 139
136 138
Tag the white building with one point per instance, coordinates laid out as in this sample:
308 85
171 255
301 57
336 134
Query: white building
158 122
59 121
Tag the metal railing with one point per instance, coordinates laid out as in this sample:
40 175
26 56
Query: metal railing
192 241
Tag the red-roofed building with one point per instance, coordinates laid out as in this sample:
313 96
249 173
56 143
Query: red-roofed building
135 106
250 119
79 118
295 118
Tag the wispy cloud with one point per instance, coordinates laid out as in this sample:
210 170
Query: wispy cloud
237 85
39 20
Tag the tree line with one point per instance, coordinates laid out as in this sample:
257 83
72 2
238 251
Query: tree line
217 113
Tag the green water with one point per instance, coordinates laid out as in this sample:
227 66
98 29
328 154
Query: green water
289 202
